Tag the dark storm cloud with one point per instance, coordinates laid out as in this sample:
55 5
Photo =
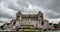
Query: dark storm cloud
8 8
5 15
2 14
55 7
18 5
53 15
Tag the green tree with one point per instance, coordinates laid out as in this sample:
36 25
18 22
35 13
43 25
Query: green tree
59 24
56 25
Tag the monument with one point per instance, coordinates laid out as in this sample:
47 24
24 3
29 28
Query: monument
29 20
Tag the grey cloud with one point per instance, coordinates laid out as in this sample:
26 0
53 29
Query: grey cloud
2 21
33 2
5 15
19 5
53 5
51 15
2 14
23 5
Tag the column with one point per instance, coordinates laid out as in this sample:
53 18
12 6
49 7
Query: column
20 18
40 20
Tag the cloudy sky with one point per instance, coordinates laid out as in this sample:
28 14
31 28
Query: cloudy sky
50 8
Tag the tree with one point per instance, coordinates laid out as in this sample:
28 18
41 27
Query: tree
1 27
56 25
59 24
